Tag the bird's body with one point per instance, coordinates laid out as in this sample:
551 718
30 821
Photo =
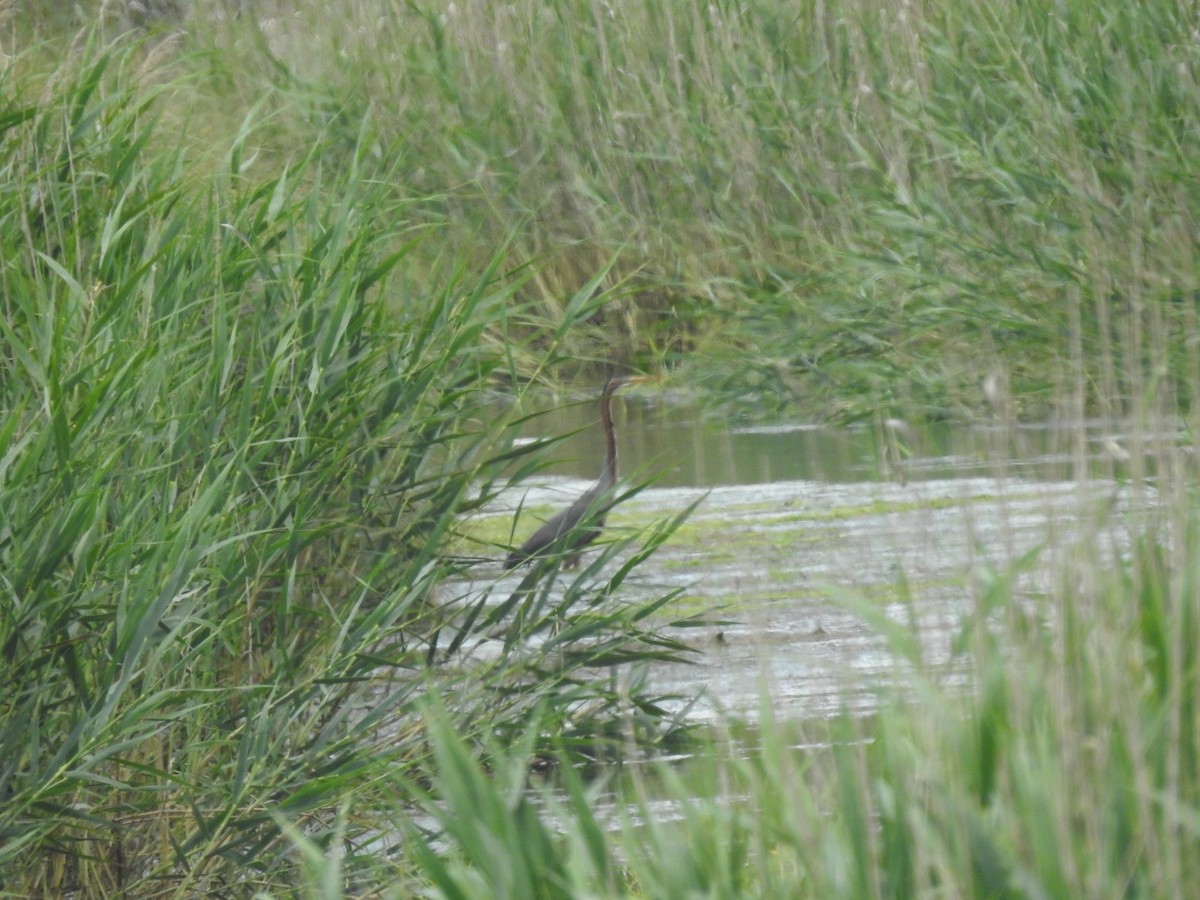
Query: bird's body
559 533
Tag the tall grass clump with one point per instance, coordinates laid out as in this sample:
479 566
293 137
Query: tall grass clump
236 445
869 203
843 201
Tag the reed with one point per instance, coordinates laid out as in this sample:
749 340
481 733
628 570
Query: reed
237 446
1066 766
851 203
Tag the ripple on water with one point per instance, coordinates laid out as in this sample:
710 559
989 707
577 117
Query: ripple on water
801 567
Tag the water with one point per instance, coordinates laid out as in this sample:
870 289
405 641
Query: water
815 543
682 447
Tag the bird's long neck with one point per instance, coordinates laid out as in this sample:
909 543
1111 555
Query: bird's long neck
608 475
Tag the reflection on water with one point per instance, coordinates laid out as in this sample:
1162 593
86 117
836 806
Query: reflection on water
681 447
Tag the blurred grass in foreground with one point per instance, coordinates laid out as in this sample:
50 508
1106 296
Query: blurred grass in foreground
1068 766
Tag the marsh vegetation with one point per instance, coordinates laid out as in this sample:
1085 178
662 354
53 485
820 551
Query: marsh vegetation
265 269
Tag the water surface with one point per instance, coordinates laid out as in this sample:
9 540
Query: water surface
683 447
810 539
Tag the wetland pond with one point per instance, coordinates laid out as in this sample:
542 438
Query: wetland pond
810 548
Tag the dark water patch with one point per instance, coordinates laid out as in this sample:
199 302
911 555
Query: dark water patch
682 447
